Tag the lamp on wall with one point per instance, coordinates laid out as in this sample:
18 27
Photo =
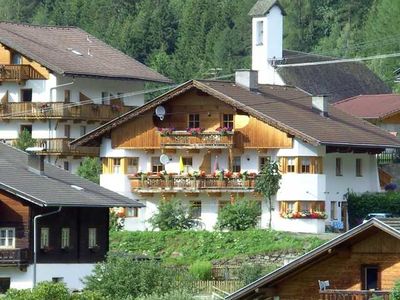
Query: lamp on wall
248 158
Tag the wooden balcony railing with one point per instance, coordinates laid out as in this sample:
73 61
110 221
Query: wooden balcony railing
353 295
14 256
19 73
177 183
183 139
61 110
60 146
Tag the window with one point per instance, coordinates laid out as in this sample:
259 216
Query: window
26 127
65 234
333 210
117 165
57 279
26 95
305 165
370 278
194 121
290 206
4 284
227 121
67 96
236 167
92 238
187 161
7 237
156 165
133 165
132 212
338 166
16 58
66 165
105 98
67 131
259 33
44 237
83 130
291 162
358 167
263 161
305 206
196 209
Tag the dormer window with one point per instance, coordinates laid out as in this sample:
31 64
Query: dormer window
260 33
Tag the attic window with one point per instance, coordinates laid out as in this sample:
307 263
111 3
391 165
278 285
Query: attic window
77 187
259 33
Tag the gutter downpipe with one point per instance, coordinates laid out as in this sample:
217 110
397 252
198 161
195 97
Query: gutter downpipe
58 86
35 239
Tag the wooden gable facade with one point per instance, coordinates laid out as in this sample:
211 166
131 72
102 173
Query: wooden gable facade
249 132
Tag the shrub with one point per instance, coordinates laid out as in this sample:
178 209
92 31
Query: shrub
14 294
24 140
87 295
396 291
250 272
176 295
122 276
44 291
173 215
201 270
90 169
240 215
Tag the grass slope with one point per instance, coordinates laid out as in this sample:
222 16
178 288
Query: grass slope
189 246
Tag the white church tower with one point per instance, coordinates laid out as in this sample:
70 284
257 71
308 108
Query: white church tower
267 40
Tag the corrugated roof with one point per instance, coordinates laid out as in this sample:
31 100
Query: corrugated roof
308 258
262 7
56 187
371 106
72 51
284 107
339 80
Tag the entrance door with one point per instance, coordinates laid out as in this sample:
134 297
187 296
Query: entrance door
370 278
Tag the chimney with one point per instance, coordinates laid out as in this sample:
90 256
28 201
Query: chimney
320 104
247 79
35 162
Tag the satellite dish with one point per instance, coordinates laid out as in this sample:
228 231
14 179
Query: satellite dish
164 159
160 112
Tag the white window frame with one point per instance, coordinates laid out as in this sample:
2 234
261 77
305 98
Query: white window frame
44 237
65 237
259 33
92 237
133 168
132 212
7 237
117 168
291 165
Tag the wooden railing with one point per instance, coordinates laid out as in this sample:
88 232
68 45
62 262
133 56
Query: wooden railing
61 110
177 183
353 295
183 139
13 256
19 73
60 146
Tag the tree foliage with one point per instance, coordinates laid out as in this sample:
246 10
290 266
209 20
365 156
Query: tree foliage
90 169
173 215
268 183
24 140
239 215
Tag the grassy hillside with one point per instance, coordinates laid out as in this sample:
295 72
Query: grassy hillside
187 247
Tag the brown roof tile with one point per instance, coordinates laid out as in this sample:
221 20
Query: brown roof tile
53 46
371 106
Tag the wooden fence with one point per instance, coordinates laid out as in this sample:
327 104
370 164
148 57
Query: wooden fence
228 286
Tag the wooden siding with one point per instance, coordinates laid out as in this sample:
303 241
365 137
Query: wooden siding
250 133
343 268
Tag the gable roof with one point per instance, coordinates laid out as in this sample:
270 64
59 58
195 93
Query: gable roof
339 80
371 106
305 260
56 187
65 50
262 7
283 107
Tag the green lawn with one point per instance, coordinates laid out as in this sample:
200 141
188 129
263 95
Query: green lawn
189 246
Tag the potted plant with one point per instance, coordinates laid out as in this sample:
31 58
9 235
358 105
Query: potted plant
165 131
224 130
195 131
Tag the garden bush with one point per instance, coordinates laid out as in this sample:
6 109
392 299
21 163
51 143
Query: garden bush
43 291
359 205
396 291
240 215
201 270
176 295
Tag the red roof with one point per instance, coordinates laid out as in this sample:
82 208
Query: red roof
371 106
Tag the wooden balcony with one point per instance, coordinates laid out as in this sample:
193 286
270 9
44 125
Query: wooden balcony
18 73
61 110
353 295
12 257
183 139
60 147
190 184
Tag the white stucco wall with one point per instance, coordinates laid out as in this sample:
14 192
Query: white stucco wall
71 274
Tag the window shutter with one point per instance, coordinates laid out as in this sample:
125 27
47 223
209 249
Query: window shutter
124 165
